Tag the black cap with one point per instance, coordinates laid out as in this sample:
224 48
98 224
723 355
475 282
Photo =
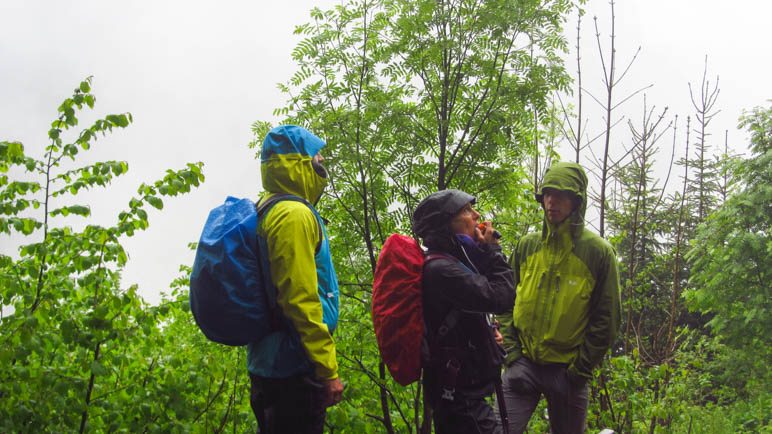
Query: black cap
436 210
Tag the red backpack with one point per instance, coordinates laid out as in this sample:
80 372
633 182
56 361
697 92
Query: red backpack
398 307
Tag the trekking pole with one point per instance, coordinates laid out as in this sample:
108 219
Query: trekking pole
426 424
502 406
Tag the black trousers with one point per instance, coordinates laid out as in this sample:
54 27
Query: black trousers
288 405
464 414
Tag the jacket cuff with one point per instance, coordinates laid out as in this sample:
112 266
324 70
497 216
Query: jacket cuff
324 373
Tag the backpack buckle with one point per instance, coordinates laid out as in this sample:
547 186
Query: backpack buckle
453 366
443 330
447 394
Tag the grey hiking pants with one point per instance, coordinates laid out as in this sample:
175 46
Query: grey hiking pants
524 383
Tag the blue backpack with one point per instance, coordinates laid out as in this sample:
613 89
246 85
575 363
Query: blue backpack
231 296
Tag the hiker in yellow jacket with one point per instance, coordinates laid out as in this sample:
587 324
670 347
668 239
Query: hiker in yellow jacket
294 372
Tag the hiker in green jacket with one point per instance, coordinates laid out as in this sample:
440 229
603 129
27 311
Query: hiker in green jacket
567 308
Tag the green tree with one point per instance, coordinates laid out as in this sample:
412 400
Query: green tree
732 257
73 353
704 185
637 225
413 97
730 263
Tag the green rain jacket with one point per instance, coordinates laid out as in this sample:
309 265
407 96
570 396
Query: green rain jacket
567 306
299 261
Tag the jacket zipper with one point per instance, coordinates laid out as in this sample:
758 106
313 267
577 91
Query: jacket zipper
534 319
547 296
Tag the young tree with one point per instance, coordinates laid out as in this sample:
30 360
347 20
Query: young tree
638 223
606 163
731 256
704 186
70 334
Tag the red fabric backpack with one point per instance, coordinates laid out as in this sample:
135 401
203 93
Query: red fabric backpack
397 306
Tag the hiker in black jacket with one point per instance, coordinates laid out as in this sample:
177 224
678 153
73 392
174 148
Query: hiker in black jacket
466 279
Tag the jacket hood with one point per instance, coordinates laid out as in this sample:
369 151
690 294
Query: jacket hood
434 212
285 162
566 177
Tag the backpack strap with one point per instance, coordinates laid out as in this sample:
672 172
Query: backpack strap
263 206
451 319
431 255
449 370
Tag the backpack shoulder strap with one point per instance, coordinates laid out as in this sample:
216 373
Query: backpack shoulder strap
438 255
451 319
263 206
432 255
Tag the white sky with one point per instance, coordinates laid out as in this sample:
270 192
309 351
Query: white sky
195 75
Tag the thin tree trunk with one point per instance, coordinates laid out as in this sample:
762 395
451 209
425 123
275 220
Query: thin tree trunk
387 423
578 147
89 390
676 293
609 107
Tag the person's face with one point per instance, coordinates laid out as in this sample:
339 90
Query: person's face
465 221
316 163
558 205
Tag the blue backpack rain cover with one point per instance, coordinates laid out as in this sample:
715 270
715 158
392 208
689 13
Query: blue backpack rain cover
231 298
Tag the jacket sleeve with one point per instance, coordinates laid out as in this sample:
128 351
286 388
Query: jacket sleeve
605 312
490 291
292 234
506 320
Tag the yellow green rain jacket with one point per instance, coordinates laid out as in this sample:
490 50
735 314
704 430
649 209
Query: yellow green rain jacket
299 260
567 306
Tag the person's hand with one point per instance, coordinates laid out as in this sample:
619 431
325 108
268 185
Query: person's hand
333 392
498 336
484 233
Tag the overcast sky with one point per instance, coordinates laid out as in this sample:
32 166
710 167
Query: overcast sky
195 75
